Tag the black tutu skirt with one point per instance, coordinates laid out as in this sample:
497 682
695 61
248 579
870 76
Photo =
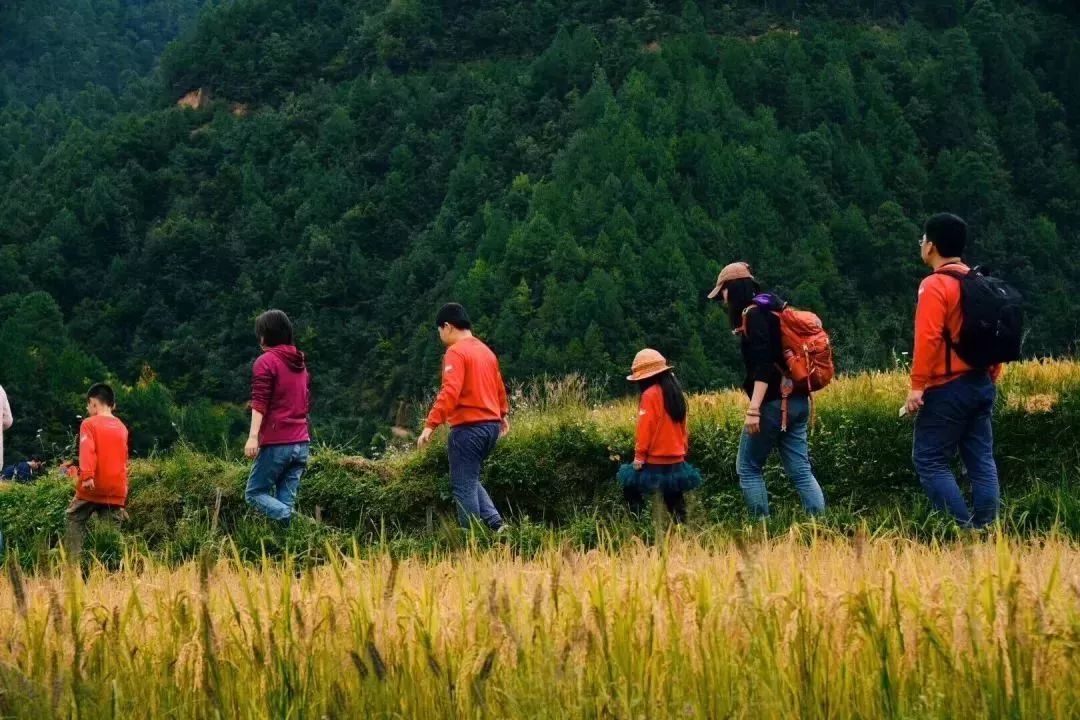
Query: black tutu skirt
679 477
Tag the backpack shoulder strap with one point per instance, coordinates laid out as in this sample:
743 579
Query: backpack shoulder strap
953 273
945 335
745 320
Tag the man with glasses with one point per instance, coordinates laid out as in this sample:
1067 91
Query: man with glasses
954 400
473 401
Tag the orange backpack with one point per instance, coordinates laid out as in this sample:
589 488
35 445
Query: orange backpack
808 356
807 349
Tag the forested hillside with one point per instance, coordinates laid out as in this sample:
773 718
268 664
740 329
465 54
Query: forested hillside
574 172
55 48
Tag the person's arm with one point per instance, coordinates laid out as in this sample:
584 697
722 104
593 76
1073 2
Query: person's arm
453 379
87 457
930 314
307 397
262 388
5 411
504 404
762 361
647 420
752 422
251 447
761 355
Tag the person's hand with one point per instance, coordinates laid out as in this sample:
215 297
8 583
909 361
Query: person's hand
88 484
251 448
638 464
914 401
425 437
504 427
753 421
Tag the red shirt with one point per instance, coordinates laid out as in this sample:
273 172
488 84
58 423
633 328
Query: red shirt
938 309
659 440
472 386
103 457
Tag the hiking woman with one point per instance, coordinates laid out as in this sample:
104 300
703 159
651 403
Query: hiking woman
753 317
661 438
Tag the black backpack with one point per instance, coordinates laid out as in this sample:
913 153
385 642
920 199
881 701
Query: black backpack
992 329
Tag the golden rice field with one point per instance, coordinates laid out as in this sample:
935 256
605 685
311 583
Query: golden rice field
798 627
1032 387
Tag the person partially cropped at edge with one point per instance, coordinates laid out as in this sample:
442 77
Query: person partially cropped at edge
751 314
661 439
473 402
101 487
6 420
280 402
954 401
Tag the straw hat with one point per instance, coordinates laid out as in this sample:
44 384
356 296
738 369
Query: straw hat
647 363
734 271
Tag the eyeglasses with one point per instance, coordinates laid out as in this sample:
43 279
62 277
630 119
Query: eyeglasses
923 241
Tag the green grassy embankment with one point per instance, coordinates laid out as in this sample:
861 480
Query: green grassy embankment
556 470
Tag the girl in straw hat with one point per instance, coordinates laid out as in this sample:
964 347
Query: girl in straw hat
661 439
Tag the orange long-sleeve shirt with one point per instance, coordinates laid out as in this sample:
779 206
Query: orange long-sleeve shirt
472 386
939 310
103 457
659 440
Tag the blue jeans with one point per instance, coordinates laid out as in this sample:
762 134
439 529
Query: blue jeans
275 478
754 451
469 446
955 416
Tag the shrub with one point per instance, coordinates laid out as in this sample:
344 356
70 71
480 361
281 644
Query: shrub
557 468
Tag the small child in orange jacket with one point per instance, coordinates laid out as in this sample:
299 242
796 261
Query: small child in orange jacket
661 439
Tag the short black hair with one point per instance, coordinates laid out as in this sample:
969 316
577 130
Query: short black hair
102 393
273 328
454 314
948 232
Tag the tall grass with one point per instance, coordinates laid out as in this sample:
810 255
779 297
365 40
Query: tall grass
809 627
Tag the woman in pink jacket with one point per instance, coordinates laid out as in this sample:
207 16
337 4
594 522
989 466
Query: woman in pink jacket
279 437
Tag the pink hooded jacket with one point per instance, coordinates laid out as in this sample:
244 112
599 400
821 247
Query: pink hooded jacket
280 391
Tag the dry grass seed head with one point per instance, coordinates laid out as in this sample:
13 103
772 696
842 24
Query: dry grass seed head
18 587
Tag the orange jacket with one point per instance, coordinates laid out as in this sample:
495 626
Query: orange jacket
938 309
472 387
659 440
103 457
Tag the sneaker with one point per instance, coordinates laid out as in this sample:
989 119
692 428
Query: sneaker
503 529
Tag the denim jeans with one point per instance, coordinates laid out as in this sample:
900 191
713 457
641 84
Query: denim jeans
469 446
957 416
754 451
275 479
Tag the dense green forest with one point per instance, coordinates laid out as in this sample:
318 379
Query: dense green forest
574 172
54 49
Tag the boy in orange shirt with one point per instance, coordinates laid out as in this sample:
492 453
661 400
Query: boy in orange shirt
101 487
954 401
473 401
